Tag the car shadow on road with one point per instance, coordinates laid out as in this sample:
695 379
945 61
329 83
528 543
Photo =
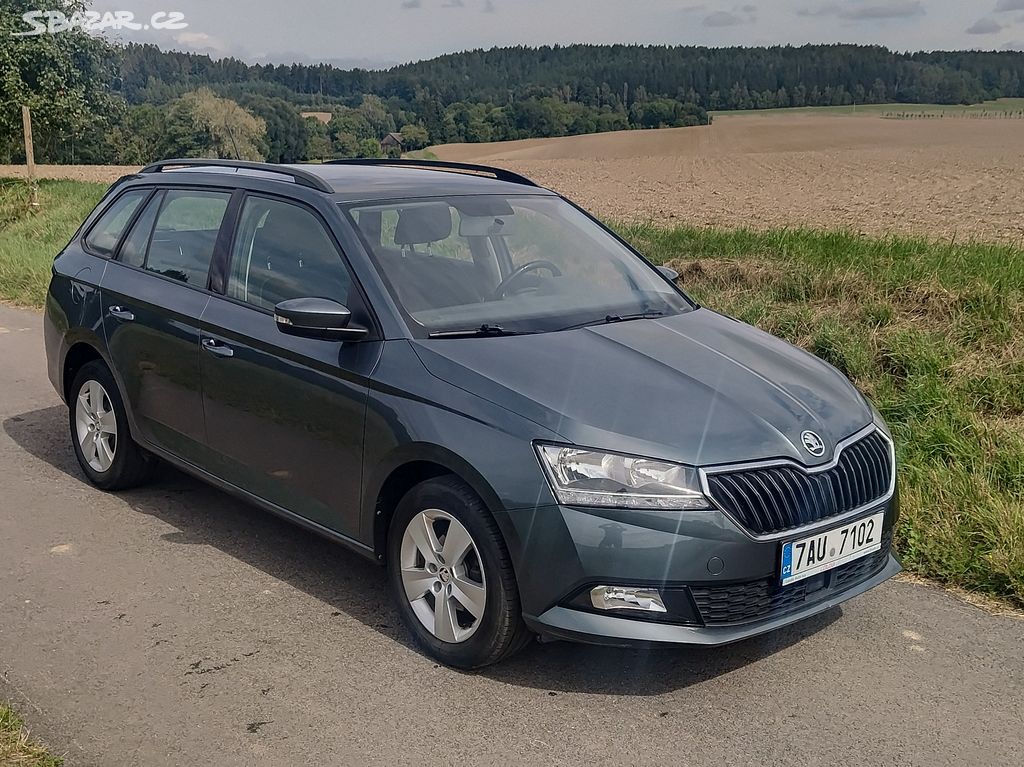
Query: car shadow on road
349 584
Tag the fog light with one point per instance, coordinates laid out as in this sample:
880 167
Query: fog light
620 598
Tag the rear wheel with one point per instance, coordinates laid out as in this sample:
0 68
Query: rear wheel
99 431
452 577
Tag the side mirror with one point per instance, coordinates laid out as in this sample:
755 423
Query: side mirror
316 318
669 274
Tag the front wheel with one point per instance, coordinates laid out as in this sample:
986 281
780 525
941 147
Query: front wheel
452 577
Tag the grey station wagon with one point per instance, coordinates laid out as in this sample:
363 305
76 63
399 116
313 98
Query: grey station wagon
466 378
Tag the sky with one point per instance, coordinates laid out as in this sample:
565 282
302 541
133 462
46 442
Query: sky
380 33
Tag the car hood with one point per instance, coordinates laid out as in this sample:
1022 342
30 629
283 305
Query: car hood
698 387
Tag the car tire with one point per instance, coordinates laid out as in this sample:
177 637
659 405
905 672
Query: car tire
108 455
471 598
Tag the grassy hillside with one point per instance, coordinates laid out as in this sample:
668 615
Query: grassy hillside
930 331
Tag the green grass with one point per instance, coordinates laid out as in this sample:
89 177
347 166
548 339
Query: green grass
30 240
17 749
420 154
931 331
997 108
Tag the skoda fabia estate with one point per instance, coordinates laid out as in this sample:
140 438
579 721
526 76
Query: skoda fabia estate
466 378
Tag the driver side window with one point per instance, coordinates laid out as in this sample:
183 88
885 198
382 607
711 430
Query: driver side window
282 251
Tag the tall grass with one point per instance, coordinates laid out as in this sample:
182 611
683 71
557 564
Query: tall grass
931 331
29 239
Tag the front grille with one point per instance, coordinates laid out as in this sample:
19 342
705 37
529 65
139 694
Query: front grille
774 499
746 602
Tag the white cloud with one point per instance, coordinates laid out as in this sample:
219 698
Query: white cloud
745 14
985 27
867 11
203 43
377 31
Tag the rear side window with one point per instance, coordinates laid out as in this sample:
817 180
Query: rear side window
133 250
185 233
107 231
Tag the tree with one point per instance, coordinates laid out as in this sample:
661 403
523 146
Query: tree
369 147
200 124
346 145
377 116
350 121
318 145
318 148
138 136
414 137
63 78
286 129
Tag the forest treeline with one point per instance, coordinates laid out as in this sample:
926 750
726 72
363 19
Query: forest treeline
615 76
98 103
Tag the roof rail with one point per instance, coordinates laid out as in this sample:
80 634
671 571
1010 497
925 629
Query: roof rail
456 167
301 177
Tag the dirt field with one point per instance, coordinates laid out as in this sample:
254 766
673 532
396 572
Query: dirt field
938 178
941 178
105 174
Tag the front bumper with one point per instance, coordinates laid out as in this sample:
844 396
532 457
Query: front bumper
566 551
579 626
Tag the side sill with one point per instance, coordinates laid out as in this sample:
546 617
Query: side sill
279 511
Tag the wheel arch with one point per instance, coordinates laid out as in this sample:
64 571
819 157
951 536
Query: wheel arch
411 465
80 354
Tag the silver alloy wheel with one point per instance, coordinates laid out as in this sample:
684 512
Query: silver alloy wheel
443 575
96 425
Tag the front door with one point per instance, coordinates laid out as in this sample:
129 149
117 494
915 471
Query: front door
153 295
284 413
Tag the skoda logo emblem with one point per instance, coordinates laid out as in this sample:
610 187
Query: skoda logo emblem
813 444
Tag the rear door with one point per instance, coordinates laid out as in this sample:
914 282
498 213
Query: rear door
153 295
285 413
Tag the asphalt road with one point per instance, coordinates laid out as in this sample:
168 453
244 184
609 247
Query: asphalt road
174 625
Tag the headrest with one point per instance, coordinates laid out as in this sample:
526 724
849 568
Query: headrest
423 224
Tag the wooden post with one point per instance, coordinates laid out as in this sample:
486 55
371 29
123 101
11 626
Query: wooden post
30 157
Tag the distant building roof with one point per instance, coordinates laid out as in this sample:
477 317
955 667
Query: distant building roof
395 138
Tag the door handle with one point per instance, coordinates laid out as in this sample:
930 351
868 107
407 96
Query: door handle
214 346
119 313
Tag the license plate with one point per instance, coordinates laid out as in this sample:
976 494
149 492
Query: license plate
825 551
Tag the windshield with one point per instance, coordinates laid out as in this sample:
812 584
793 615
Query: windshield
521 264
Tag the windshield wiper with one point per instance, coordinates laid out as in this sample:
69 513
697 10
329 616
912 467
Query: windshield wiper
482 331
613 318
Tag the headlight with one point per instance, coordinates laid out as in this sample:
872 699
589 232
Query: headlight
581 477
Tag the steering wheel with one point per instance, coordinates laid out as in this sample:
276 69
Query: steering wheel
529 266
